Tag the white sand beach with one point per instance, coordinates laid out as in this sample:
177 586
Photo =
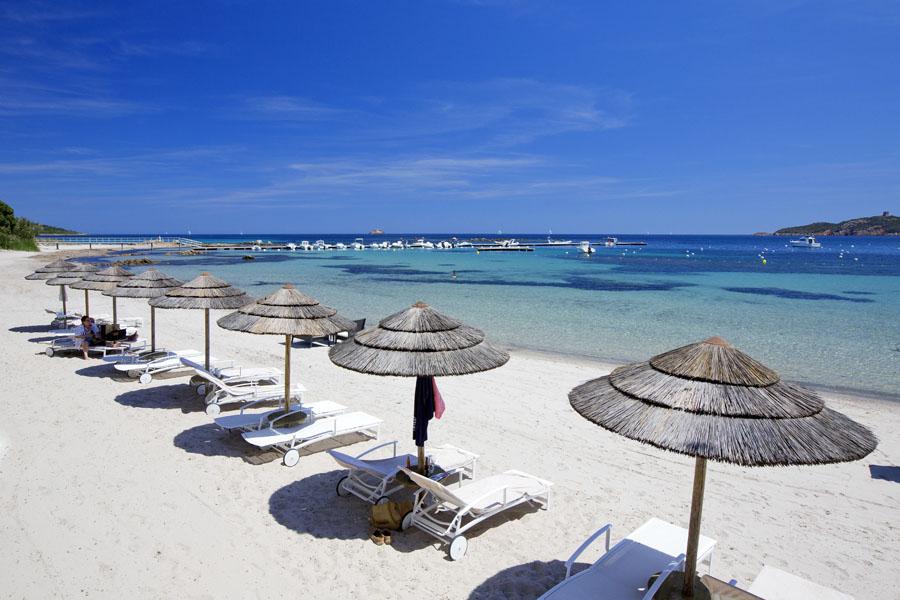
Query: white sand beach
110 487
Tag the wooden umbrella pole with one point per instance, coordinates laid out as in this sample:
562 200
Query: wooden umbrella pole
206 327
115 316
153 328
421 460
287 373
65 312
87 303
690 562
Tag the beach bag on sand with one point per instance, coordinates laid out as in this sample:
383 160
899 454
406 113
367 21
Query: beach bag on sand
389 515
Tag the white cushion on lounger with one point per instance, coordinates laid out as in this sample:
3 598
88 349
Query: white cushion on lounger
320 428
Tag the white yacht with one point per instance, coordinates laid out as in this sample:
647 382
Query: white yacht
610 242
319 245
806 241
428 245
375 245
464 244
358 244
586 247
398 245
340 246
305 245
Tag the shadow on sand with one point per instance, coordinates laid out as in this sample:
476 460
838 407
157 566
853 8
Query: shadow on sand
522 581
30 329
888 473
181 397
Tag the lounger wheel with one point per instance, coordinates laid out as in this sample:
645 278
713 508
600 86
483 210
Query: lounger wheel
291 457
340 489
201 389
49 351
213 410
406 522
458 547
145 378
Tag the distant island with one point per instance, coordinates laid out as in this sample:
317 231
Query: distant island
17 233
883 224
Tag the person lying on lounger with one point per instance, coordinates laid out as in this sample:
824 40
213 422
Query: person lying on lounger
89 334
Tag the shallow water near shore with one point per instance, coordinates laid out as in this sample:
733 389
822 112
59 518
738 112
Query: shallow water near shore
828 316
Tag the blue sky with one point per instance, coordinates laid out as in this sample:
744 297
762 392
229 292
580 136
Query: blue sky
432 116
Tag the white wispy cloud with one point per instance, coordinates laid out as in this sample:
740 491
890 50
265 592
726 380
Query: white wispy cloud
285 108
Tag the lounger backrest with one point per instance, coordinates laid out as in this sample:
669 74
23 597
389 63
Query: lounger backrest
349 462
202 372
439 491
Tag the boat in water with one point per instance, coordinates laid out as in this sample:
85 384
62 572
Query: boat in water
586 248
358 244
806 241
551 242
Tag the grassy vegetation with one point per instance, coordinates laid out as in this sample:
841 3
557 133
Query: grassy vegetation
878 225
17 233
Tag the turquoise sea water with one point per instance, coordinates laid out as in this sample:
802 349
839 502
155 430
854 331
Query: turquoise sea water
828 316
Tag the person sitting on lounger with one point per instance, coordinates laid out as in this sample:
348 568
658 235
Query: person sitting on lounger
89 334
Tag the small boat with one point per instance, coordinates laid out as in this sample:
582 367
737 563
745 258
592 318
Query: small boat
610 242
551 242
428 246
292 246
398 245
319 245
464 245
419 243
305 245
508 243
806 241
375 245
586 248
340 246
358 244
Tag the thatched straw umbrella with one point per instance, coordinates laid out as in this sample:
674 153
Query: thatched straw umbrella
71 277
206 292
289 313
711 401
52 271
149 284
418 342
102 280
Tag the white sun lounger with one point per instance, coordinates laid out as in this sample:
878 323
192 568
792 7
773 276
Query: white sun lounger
230 375
252 421
291 440
623 570
146 365
775 584
447 514
72 343
374 479
226 393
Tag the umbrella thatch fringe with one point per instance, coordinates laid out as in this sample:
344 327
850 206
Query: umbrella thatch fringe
823 438
319 327
779 400
716 361
93 286
315 311
287 312
149 284
404 363
219 303
453 339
